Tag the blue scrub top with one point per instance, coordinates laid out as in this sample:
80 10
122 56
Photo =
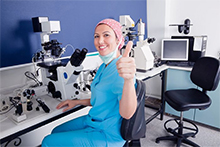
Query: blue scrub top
106 90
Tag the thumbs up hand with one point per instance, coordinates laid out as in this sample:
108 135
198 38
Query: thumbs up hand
126 65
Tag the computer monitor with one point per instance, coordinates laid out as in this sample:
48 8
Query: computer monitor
174 50
197 46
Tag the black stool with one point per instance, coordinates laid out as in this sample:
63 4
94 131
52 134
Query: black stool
205 74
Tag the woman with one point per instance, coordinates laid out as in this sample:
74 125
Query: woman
113 95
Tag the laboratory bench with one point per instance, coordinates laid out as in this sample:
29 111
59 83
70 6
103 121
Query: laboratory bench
11 130
31 131
171 77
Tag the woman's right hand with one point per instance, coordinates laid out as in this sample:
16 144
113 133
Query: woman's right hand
69 103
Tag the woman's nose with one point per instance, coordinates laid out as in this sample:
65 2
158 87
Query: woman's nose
101 40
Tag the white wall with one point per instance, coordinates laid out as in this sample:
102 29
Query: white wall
204 15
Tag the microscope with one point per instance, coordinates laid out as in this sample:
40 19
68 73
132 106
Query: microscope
22 102
59 75
50 49
143 55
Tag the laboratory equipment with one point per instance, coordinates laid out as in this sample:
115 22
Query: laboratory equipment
59 75
16 102
28 94
42 105
23 103
61 78
50 49
143 55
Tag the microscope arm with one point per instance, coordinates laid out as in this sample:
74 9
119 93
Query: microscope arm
71 71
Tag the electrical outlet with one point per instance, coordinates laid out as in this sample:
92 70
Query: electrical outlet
219 55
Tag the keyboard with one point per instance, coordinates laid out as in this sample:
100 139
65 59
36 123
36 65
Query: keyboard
180 63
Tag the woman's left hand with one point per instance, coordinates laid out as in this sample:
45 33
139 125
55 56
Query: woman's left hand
126 65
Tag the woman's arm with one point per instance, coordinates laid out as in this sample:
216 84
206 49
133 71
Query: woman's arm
128 102
72 103
126 69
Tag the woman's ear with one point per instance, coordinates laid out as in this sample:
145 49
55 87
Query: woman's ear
117 41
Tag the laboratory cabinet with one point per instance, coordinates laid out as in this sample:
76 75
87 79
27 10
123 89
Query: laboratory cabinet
180 79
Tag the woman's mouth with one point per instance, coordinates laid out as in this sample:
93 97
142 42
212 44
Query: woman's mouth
102 47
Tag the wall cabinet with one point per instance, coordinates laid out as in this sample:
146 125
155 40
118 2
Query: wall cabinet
180 79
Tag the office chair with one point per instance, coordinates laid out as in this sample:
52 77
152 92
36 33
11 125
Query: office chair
135 128
205 74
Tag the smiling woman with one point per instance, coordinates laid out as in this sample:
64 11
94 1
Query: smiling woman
108 39
105 41
113 96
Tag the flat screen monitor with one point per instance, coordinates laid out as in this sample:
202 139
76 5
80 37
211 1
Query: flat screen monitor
174 50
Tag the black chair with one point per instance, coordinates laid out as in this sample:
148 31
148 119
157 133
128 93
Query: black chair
205 74
135 128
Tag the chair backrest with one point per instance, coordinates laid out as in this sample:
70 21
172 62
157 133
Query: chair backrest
206 73
135 127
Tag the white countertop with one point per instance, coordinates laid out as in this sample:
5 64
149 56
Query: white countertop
8 126
151 73
158 70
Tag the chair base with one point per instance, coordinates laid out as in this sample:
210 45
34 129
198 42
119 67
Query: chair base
178 135
132 143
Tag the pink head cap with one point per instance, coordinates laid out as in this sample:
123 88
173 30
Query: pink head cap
116 27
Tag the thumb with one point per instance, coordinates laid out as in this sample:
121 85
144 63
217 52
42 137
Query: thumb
128 49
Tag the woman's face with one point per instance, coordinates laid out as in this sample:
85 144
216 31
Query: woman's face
105 39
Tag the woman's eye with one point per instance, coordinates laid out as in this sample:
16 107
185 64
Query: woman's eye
96 36
106 35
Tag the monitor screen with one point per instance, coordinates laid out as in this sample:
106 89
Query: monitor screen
174 50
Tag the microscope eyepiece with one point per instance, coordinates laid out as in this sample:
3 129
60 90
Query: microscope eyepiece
78 57
83 52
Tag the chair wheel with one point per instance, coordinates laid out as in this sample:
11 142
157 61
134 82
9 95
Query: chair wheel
170 130
157 140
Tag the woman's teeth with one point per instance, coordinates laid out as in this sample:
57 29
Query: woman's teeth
102 47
